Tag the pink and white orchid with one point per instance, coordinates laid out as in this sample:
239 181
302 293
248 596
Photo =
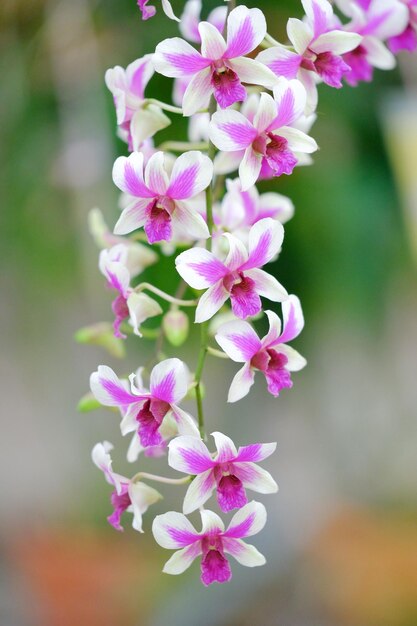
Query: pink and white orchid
175 532
222 66
145 411
190 20
239 276
376 21
160 203
269 355
407 39
139 307
131 496
318 43
229 472
269 140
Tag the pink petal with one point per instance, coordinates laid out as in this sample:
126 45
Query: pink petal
320 15
226 449
169 381
156 177
211 302
173 530
291 98
199 491
128 175
189 455
293 319
248 521
109 390
190 19
237 255
175 57
133 216
138 75
265 241
231 131
246 28
191 174
238 340
182 559
200 268
255 452
244 553
213 45
255 477
281 61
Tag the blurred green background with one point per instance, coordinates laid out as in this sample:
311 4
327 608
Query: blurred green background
341 541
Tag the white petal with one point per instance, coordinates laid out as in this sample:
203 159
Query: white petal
182 559
296 362
237 255
226 449
378 55
109 390
190 223
133 216
156 177
266 114
248 521
337 42
250 168
239 340
293 318
255 477
265 241
167 8
213 46
197 95
141 496
267 285
241 383
244 553
297 140
185 423
277 206
210 302
253 72
226 162
274 331
146 123
299 34
199 491
211 521
141 307
173 530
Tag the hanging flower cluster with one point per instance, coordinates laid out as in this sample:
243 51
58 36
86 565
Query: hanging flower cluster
250 103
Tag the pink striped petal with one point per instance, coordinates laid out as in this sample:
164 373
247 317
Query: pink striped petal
182 559
175 57
274 334
210 302
231 131
156 177
255 452
265 241
244 553
173 530
199 491
191 174
226 449
253 72
246 28
138 75
213 46
198 92
299 34
200 268
250 168
266 113
248 521
169 381
319 14
100 455
211 523
255 477
109 390
237 255
267 285
190 19
238 340
133 216
128 175
293 319
290 97
189 455
241 383
281 61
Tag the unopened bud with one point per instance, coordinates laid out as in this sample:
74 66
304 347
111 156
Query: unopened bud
101 334
176 326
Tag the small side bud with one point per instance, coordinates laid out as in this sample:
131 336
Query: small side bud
176 326
101 334
88 403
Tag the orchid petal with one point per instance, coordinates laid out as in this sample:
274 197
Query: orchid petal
167 9
253 72
337 42
274 332
277 206
241 383
210 302
191 223
185 423
169 380
255 477
198 92
142 497
141 307
297 140
189 455
182 559
133 216
238 340
244 553
266 113
246 29
293 318
248 521
175 57
213 46
211 522
319 14
173 530
291 98
250 168
299 34
378 55
265 241
281 61
108 389
146 123
128 175
226 449
255 452
191 174
200 268
237 255
156 177
231 131
199 491
295 362
267 285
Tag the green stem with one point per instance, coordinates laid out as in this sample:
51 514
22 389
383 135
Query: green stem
182 146
163 295
164 105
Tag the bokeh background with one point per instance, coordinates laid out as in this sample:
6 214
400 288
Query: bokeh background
341 538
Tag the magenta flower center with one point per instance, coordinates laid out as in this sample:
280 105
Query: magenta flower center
226 86
214 565
121 312
150 419
120 503
273 365
230 491
245 301
158 225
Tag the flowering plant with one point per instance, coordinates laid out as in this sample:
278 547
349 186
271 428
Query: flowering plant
249 117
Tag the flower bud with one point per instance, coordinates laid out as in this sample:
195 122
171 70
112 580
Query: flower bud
101 334
176 325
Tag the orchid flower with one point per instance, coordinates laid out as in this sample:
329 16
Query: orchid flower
239 276
318 45
269 138
190 20
137 120
149 11
145 411
269 355
222 66
161 200
113 264
230 471
242 209
131 496
407 39
376 21
174 532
